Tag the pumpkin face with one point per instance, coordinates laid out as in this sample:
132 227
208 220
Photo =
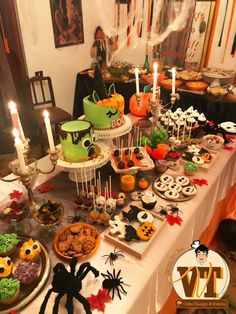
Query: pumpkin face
143 108
5 267
146 231
30 250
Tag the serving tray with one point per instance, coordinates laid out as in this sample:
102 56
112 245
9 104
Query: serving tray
29 292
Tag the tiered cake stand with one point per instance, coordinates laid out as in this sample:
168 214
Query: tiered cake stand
87 167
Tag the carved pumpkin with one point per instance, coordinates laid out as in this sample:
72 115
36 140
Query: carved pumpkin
146 231
143 108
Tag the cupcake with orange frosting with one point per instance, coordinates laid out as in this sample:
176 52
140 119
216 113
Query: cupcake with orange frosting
30 250
5 267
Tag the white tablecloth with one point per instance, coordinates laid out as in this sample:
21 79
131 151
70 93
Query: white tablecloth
147 278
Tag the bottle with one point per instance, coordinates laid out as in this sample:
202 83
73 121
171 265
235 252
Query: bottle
146 64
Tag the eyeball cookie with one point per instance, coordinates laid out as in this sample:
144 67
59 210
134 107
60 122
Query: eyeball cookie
189 190
182 180
165 178
5 266
173 195
175 187
198 160
160 186
30 250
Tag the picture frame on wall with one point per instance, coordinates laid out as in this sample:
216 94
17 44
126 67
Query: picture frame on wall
67 21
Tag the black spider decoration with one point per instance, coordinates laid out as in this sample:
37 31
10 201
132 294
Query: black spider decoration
113 256
113 282
69 284
173 208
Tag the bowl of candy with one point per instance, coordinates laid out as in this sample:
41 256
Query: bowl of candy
49 214
212 141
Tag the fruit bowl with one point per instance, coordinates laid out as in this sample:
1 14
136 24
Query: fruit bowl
197 86
167 84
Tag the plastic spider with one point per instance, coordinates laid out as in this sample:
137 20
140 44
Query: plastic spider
112 282
174 209
68 283
113 256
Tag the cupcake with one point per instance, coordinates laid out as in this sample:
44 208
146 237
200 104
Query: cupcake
26 272
161 165
190 168
5 267
9 290
149 200
202 119
30 251
8 244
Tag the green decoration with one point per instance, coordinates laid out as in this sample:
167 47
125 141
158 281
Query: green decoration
191 166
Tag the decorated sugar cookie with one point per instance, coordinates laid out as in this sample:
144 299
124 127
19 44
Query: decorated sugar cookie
30 250
182 180
144 216
117 227
173 195
198 160
146 231
165 178
194 149
174 187
160 186
5 266
189 190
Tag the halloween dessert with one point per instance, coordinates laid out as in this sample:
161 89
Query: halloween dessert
8 243
76 240
77 140
9 290
140 107
182 180
190 168
125 232
5 267
160 186
167 179
14 212
161 165
49 213
30 250
212 141
26 272
146 231
103 110
149 200
189 190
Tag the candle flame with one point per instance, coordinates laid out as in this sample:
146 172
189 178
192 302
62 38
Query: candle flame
136 71
45 114
12 106
15 132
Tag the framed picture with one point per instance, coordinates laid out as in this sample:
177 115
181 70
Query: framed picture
67 22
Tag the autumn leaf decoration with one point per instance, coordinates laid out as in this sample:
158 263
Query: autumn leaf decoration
98 301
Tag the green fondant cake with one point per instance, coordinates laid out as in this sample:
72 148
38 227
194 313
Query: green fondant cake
77 140
8 242
8 288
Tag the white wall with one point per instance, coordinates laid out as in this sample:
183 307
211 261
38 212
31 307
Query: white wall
62 64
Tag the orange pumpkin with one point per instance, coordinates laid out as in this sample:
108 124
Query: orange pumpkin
143 108
146 231
143 184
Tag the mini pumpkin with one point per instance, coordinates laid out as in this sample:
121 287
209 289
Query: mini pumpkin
146 230
142 109
30 250
143 183
5 266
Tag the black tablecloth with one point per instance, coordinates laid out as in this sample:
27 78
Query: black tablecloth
215 109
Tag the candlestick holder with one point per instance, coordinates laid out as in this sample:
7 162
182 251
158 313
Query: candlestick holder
155 106
173 98
28 176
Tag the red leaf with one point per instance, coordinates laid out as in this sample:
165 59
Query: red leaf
228 148
171 219
15 194
46 187
174 155
200 182
98 301
230 137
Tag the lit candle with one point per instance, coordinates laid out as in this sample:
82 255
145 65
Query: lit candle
16 119
49 130
136 72
173 80
19 151
154 81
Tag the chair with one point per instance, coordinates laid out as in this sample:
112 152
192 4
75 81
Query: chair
43 98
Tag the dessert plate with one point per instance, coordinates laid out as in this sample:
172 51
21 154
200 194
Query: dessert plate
29 292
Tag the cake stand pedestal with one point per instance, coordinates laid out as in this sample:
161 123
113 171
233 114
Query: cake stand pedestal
75 169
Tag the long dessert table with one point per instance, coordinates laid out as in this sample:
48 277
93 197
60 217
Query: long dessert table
147 278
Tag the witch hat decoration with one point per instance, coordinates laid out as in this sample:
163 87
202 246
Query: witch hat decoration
99 84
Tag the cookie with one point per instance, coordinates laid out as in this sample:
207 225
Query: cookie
76 229
146 231
144 216
182 180
189 190
117 227
175 187
173 195
165 178
160 186
130 233
198 160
